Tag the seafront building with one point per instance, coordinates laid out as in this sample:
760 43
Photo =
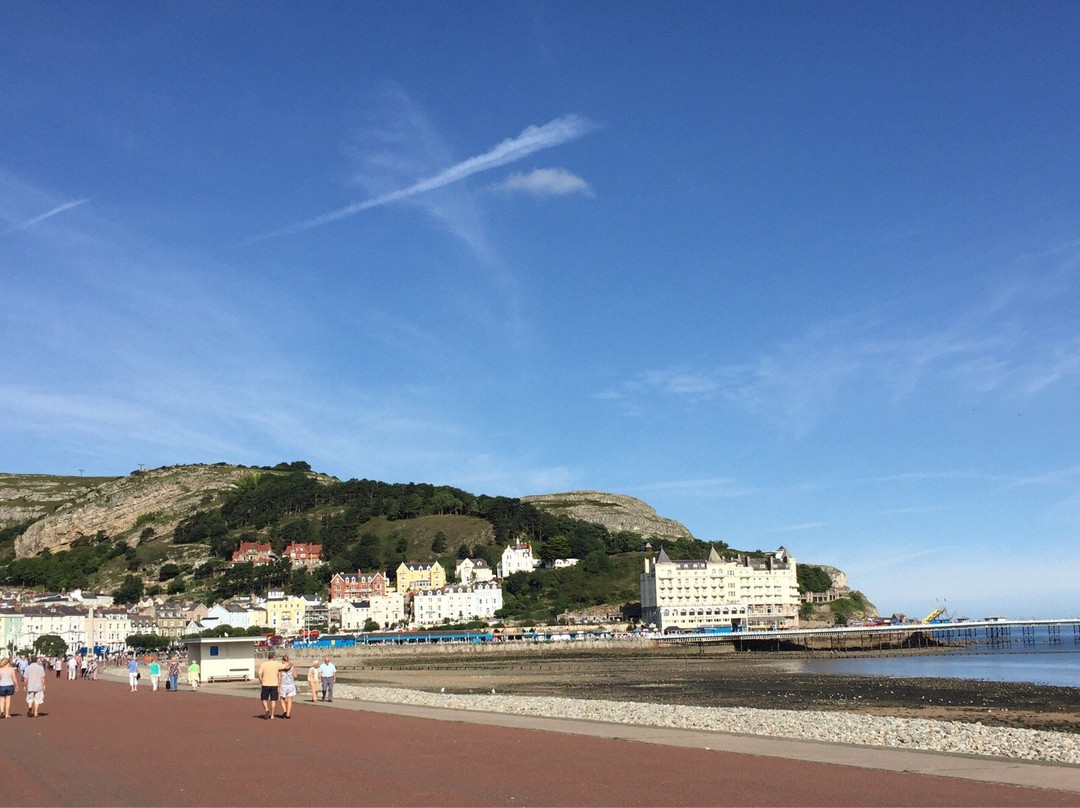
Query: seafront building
734 593
357 585
457 603
387 611
285 615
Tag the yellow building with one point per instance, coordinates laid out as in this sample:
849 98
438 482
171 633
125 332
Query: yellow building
416 577
285 615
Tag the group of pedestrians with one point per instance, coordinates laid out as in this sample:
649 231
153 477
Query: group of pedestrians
277 680
31 675
172 672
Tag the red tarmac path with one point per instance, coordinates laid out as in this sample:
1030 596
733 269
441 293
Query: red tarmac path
99 744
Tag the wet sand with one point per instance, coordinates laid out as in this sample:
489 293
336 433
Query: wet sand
709 677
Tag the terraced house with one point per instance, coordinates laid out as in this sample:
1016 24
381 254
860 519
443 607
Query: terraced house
357 586
457 603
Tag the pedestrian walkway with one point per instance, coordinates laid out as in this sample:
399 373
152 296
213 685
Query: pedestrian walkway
99 744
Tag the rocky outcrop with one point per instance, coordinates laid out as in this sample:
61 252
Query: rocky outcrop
123 507
27 497
839 577
614 511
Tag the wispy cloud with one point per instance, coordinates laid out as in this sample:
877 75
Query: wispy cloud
1063 362
545 182
48 215
531 140
724 487
802 526
1017 341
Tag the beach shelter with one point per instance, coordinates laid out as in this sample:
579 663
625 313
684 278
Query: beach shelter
223 659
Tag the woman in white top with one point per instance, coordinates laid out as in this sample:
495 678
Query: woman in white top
9 683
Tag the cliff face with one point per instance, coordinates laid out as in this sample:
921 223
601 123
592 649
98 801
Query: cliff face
613 511
120 507
26 497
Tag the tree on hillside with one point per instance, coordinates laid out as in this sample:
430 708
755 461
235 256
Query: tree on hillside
812 579
444 501
202 526
368 553
130 591
555 547
438 543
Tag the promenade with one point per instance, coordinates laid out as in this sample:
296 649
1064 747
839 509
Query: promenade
99 745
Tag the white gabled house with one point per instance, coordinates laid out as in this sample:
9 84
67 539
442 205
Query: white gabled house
517 558
473 571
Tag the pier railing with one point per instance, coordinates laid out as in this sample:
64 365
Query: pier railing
993 633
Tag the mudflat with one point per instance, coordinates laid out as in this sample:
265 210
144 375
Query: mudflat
708 677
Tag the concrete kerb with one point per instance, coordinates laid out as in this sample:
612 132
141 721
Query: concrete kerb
1004 771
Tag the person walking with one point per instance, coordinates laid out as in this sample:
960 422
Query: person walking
313 678
270 679
328 675
9 686
35 687
174 673
73 666
155 674
193 675
287 687
58 665
133 674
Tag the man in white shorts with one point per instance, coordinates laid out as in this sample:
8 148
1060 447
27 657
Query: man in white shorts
35 687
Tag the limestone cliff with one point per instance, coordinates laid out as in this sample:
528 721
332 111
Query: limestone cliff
613 511
122 507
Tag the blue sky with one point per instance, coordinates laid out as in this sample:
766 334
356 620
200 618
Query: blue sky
799 274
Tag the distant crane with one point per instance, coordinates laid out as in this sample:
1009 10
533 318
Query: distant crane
934 615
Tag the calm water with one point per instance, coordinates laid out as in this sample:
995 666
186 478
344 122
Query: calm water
1040 664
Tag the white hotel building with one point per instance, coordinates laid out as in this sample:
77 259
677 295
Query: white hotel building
457 603
744 592
352 614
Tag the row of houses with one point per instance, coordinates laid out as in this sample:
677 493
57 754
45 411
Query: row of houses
411 576
299 553
734 593
88 622
96 624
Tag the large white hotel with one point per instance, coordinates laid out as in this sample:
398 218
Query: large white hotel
738 593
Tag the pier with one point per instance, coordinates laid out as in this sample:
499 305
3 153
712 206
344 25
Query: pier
992 633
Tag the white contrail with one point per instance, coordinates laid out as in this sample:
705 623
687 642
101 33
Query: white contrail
532 139
48 214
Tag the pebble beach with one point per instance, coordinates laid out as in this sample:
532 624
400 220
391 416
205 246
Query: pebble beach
724 692
834 727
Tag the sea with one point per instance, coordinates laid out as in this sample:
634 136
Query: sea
1039 663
